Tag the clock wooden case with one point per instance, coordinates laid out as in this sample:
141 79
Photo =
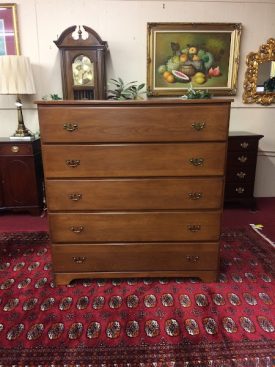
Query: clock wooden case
82 64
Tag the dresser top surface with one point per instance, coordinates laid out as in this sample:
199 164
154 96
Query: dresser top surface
143 102
236 134
17 141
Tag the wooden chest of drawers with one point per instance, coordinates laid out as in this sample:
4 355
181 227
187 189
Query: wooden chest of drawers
241 168
134 189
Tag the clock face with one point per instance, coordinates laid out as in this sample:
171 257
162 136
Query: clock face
83 71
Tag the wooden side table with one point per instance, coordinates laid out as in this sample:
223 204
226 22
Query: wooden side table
241 168
21 176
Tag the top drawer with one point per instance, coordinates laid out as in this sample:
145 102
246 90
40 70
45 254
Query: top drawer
134 124
243 144
16 148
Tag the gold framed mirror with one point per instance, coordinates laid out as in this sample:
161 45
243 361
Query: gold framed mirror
259 83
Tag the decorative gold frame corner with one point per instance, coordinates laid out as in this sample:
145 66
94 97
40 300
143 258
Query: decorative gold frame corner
254 59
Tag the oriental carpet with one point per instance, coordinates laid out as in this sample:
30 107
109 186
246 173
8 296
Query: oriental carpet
137 322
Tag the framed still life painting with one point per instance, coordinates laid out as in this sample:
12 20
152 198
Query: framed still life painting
203 56
9 43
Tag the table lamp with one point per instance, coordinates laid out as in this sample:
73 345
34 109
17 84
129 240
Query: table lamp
16 78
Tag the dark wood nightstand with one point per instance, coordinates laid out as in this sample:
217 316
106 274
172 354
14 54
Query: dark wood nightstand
21 176
241 168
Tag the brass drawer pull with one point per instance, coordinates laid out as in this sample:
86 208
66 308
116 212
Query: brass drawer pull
77 229
240 190
242 159
15 149
195 195
192 258
194 227
196 161
241 174
70 127
198 125
74 196
73 162
79 259
244 145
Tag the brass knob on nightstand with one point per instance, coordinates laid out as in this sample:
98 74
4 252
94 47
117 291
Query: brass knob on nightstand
69 126
77 229
73 162
192 258
242 159
244 145
15 149
79 259
198 125
241 174
196 161
240 190
195 195
74 196
194 227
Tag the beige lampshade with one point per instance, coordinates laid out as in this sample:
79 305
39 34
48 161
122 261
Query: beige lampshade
16 75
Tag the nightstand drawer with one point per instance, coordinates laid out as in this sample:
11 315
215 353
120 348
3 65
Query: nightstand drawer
241 159
134 194
242 144
134 160
16 149
135 226
238 190
97 124
240 175
135 257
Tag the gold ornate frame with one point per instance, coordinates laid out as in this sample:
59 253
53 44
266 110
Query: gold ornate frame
210 31
254 59
9 30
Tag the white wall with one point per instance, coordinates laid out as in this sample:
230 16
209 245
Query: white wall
123 25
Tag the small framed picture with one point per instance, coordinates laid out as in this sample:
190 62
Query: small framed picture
203 56
9 42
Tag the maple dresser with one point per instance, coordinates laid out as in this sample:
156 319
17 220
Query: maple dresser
134 188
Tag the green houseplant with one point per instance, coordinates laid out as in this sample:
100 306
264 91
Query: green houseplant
125 91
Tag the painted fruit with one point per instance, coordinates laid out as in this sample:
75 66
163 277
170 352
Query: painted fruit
193 50
200 80
162 69
214 71
181 77
183 57
171 79
166 74
199 74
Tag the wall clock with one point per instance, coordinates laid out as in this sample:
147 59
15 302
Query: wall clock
82 64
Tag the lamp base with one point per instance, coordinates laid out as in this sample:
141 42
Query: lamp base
21 131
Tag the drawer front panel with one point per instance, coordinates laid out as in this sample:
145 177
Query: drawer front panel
241 159
135 257
240 175
235 190
243 144
134 124
134 194
134 160
135 227
16 149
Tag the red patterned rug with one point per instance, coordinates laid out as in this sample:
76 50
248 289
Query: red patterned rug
137 322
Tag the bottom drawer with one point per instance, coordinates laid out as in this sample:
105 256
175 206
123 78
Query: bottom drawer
133 257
